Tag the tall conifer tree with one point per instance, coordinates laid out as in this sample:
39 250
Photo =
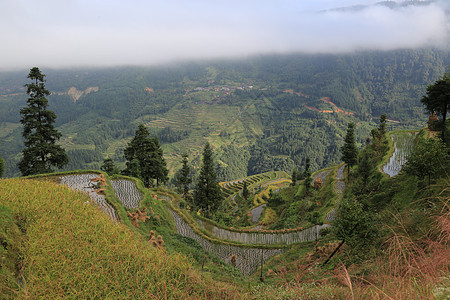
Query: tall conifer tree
208 194
184 179
41 151
349 151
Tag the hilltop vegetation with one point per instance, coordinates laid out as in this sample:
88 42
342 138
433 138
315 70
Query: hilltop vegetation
259 114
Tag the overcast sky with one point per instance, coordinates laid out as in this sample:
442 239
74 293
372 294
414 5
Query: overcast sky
65 33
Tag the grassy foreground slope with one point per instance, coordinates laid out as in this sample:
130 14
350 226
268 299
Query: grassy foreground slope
69 249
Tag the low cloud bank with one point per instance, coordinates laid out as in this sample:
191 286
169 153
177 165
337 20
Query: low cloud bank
103 33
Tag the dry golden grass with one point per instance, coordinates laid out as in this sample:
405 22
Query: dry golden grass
73 250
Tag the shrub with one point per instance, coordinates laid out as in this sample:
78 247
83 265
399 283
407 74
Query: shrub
270 216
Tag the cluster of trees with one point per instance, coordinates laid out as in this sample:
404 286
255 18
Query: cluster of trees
168 135
355 222
361 210
207 194
41 153
145 158
306 174
80 158
143 154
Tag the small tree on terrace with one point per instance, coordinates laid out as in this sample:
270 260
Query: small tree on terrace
428 159
109 167
41 151
349 151
184 179
208 194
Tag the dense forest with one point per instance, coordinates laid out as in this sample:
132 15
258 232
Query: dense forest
259 114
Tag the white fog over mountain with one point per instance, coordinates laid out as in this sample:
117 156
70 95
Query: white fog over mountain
104 33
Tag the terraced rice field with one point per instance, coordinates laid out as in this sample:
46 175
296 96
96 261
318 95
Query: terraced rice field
404 144
127 192
232 187
82 182
287 238
247 259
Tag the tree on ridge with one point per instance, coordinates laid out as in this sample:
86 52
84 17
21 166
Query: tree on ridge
41 151
183 178
208 194
349 151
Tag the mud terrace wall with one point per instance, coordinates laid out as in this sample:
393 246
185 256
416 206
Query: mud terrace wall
309 234
247 259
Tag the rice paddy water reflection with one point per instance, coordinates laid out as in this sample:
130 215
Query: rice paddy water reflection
403 143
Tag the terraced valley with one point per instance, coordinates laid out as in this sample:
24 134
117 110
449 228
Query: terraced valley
166 232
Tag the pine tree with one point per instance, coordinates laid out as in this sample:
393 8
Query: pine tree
161 171
184 179
145 158
349 151
41 151
207 194
364 167
109 167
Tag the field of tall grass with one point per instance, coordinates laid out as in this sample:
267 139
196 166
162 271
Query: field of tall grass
70 249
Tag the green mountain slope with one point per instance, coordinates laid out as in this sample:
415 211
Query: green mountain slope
260 114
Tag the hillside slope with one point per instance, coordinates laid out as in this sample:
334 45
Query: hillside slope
67 248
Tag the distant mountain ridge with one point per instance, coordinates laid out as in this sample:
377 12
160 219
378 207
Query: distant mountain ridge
389 4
